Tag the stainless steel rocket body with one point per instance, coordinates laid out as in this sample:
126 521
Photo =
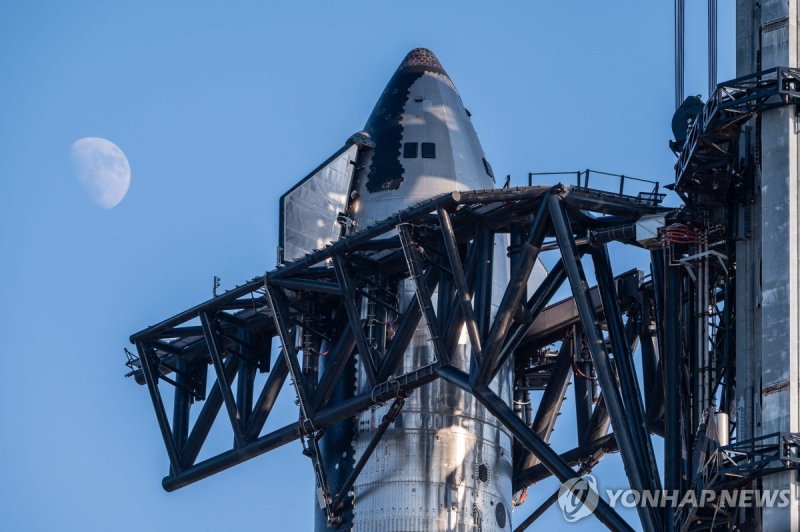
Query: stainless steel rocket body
445 464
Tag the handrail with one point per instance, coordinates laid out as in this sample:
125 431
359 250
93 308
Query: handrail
741 98
653 196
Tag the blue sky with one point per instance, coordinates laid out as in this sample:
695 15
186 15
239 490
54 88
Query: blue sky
220 110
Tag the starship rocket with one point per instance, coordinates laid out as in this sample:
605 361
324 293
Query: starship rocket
445 463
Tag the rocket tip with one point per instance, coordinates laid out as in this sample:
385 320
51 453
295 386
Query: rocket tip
422 58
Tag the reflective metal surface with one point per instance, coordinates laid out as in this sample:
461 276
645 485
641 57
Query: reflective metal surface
309 210
446 463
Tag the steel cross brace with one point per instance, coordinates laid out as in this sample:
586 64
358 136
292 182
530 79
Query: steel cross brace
213 342
406 329
525 435
535 305
629 384
594 338
208 414
552 398
320 420
336 362
182 403
267 397
145 354
344 490
515 290
423 295
354 319
542 508
463 293
465 215
280 312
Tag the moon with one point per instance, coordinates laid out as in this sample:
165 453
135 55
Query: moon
102 170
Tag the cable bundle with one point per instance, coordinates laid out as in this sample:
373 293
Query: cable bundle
680 234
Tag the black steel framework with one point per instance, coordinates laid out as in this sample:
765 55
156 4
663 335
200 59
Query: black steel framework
695 276
681 320
311 306
709 167
735 468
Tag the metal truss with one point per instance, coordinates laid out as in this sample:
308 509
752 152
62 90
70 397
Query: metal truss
682 320
708 163
313 307
736 467
696 281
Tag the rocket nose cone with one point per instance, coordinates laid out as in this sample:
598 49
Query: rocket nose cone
421 59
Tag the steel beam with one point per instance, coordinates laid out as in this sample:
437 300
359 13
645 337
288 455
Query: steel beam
596 343
245 381
591 451
205 419
536 304
179 332
463 294
445 294
529 439
354 319
515 290
672 377
553 397
582 387
387 420
322 287
423 295
599 422
225 386
266 399
651 367
553 322
335 363
452 330
546 455
629 383
187 315
182 402
320 420
280 313
158 405
405 330
542 508
484 256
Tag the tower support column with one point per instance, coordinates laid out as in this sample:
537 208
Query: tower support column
768 257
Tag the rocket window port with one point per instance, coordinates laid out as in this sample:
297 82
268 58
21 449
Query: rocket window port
483 473
410 150
428 150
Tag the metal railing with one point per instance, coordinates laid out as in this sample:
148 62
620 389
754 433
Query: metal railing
648 191
732 104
